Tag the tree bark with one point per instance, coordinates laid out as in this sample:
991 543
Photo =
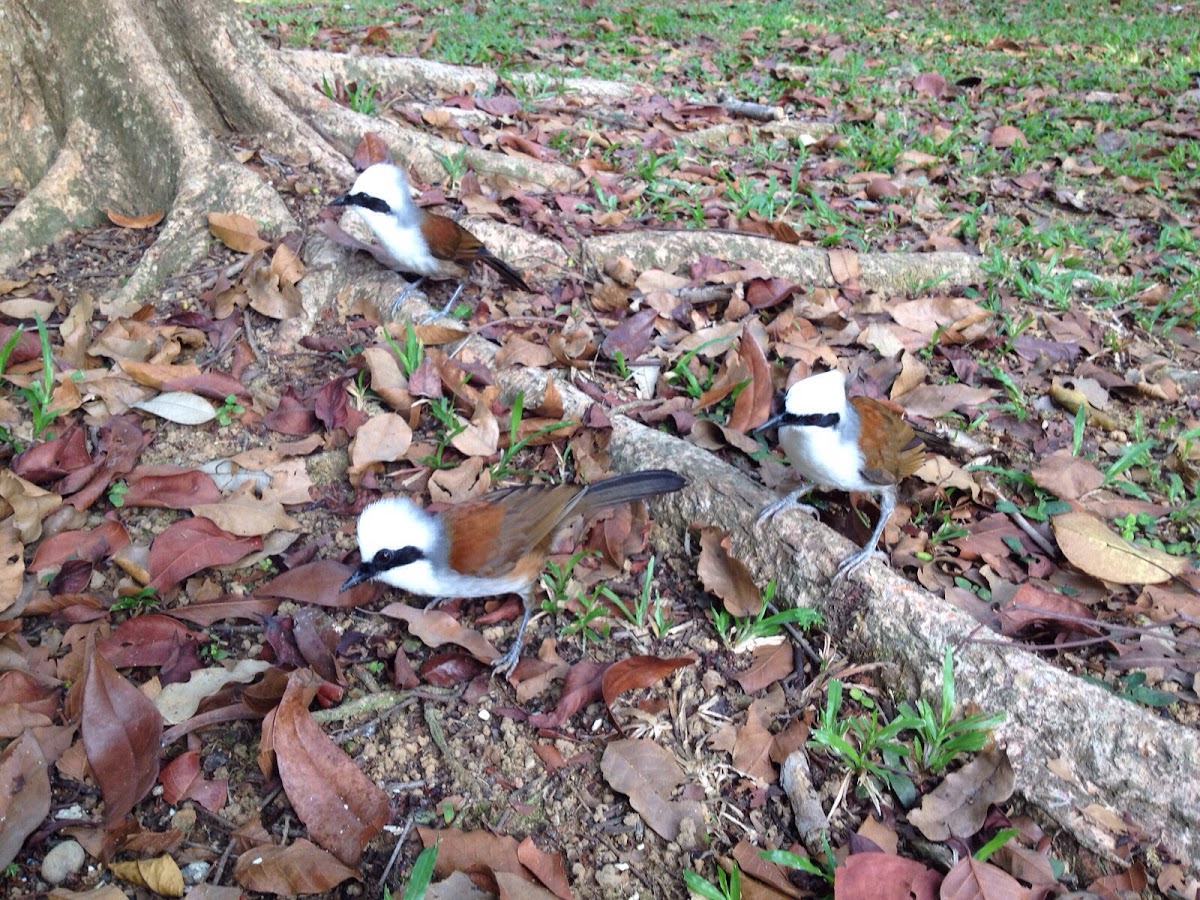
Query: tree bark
129 105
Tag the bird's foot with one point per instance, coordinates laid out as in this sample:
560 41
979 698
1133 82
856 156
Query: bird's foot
506 663
403 295
784 503
437 601
854 561
445 310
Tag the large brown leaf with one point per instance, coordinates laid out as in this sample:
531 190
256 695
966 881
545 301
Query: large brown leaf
121 731
342 808
649 774
189 545
725 575
319 582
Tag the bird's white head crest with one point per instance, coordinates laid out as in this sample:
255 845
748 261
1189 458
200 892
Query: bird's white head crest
824 393
387 183
395 522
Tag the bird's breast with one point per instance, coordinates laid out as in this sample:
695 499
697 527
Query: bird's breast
825 457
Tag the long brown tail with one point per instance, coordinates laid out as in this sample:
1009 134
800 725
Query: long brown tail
634 486
507 272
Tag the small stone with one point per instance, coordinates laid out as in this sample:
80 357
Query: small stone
196 872
63 861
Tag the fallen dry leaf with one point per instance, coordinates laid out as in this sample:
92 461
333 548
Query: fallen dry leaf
1093 548
299 868
958 806
725 575
342 808
24 794
121 731
237 232
649 774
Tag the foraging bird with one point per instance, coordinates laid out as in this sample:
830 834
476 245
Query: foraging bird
851 444
495 545
421 242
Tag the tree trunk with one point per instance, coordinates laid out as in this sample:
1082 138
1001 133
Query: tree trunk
128 105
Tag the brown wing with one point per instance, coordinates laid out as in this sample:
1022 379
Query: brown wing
450 242
900 451
500 530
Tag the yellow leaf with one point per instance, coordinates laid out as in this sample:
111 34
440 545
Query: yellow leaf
1093 548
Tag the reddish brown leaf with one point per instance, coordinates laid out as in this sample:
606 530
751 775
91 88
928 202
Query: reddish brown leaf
319 582
1007 136
473 851
547 866
1034 612
763 293
291 416
932 84
299 868
746 855
342 808
190 545
229 606
181 780
637 672
882 876
42 463
725 575
170 490
371 149
631 337
581 687
149 640
24 794
121 731
753 405
93 545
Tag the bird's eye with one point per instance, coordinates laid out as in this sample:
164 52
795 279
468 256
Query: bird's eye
384 557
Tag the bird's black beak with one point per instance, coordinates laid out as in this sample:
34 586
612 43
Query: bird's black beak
343 200
771 422
364 572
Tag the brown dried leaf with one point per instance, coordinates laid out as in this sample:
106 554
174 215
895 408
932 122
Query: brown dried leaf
319 582
237 232
190 545
12 568
725 575
434 628
648 774
24 794
121 731
637 672
473 851
970 879
753 405
161 874
342 808
299 868
772 661
958 806
581 686
371 149
548 867
148 220
246 515
882 876
1093 548
384 438
1007 136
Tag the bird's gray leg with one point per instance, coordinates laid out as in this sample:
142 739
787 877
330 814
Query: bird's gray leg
504 665
887 503
412 286
788 502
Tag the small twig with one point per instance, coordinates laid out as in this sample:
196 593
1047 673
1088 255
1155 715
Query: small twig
387 870
1021 522
219 869
798 638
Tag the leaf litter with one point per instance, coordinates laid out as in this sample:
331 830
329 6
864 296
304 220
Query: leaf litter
111 533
